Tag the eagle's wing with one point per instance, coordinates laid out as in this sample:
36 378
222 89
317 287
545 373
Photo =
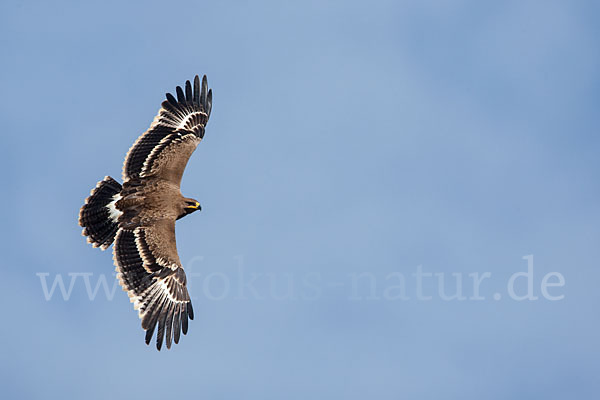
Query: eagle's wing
149 269
164 149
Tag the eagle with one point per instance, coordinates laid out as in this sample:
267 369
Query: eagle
139 215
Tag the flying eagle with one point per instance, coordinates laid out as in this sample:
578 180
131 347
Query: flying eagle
139 216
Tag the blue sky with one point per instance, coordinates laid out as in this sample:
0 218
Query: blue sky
351 145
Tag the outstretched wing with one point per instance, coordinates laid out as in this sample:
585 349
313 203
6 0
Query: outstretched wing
164 149
149 269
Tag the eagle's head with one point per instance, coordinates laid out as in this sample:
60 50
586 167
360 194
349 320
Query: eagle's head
189 206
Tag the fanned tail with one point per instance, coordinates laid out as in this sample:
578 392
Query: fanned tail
99 216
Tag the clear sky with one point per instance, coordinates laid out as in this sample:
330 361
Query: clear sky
361 159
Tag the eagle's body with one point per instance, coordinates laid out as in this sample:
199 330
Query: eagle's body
144 201
139 216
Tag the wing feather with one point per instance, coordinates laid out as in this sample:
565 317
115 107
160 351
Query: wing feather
176 322
188 92
180 96
169 324
196 98
176 119
149 270
184 319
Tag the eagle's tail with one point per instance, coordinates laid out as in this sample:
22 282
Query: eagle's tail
99 217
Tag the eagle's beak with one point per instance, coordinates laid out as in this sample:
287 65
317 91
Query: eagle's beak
193 207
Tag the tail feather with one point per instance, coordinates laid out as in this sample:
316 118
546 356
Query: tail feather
99 217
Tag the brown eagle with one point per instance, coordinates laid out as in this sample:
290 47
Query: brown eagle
139 216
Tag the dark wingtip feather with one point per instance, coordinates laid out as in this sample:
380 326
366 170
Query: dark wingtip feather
204 90
184 320
197 90
180 95
169 334
161 330
171 99
209 103
147 321
177 324
151 318
190 310
188 91
149 333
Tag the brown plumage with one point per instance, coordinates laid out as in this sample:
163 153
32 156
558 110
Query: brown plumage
139 216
